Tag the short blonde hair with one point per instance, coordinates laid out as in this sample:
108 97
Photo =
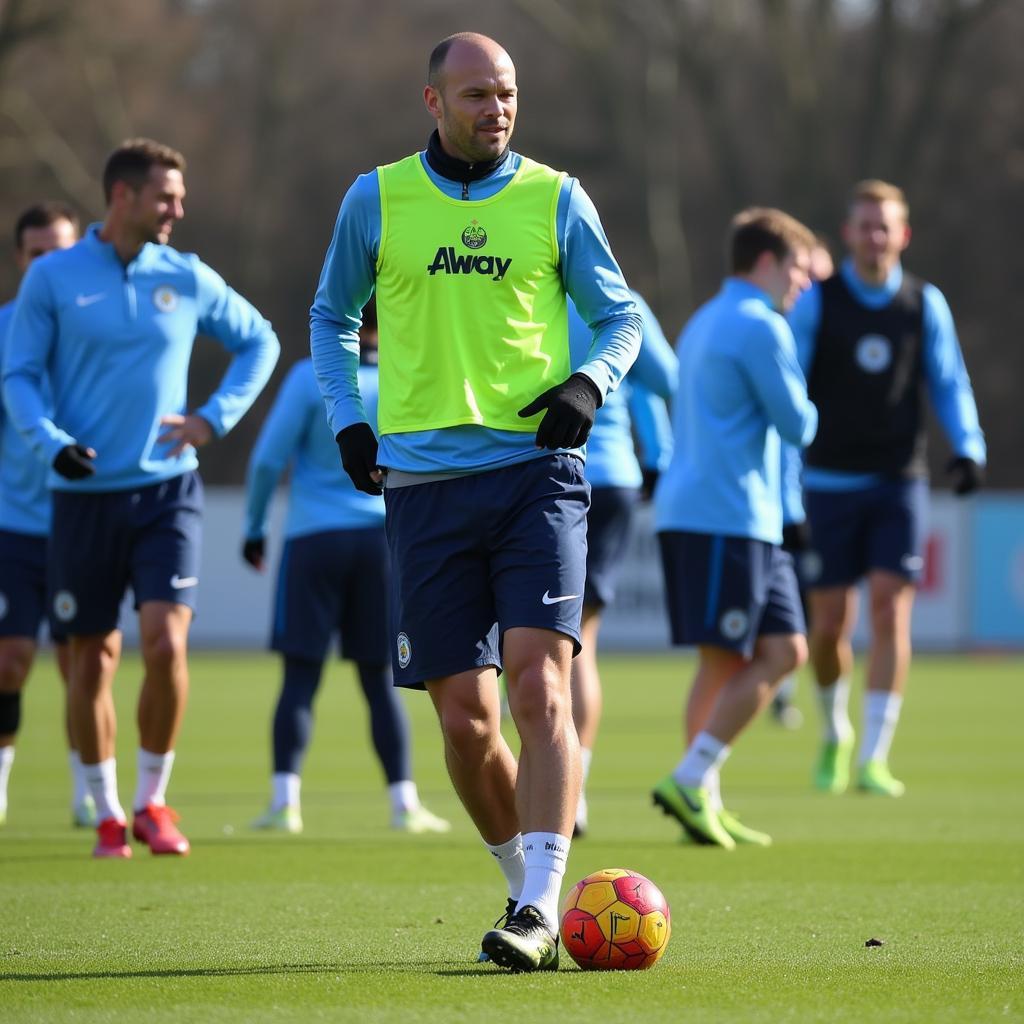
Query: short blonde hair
874 190
761 229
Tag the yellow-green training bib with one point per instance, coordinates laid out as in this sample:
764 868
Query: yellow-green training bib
471 311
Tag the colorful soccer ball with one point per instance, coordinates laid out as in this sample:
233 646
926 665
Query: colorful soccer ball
615 920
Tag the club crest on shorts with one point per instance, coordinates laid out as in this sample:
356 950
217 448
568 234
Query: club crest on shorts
474 237
4 605
165 298
734 623
404 650
65 607
873 353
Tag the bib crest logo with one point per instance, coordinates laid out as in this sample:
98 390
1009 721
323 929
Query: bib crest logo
474 237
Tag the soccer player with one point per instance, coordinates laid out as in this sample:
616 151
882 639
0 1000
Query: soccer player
109 324
471 249
24 525
872 340
333 575
616 479
731 589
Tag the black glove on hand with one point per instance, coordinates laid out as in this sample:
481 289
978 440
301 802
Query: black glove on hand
358 447
253 551
650 481
74 462
796 537
967 475
570 406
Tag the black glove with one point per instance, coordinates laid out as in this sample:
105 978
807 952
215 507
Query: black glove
358 447
650 481
967 475
796 537
74 462
570 406
253 551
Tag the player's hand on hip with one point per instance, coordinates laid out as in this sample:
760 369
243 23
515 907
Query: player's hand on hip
253 551
185 432
571 407
358 447
74 462
967 475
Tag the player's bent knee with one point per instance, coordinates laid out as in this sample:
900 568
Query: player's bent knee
538 702
164 649
15 662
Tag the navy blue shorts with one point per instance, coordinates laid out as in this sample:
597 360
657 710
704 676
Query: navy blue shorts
609 524
23 600
728 591
854 532
473 556
148 539
333 582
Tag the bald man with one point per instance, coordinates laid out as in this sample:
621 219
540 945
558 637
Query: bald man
482 417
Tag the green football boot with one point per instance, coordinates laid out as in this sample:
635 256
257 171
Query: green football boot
832 772
524 944
419 821
743 835
691 807
285 819
510 909
875 777
83 815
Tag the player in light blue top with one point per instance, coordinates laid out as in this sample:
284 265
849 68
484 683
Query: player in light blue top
874 341
110 324
616 478
333 578
24 526
730 588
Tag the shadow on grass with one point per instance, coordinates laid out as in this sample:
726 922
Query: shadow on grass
404 966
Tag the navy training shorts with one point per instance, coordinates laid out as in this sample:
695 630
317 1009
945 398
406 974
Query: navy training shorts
609 525
23 597
727 591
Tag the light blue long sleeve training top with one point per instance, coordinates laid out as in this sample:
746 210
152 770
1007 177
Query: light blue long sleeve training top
611 453
949 386
115 341
296 433
740 389
24 496
589 272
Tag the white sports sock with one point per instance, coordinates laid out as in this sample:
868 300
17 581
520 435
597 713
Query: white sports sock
881 713
79 786
834 702
545 854
510 859
404 796
704 756
787 688
6 760
102 780
286 788
154 774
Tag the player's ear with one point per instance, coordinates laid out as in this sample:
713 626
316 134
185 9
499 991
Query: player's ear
432 99
906 235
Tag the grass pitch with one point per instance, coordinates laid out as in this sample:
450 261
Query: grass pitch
352 922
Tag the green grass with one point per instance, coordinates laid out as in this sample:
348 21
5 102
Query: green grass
349 921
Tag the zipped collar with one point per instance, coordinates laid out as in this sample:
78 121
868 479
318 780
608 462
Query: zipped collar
458 170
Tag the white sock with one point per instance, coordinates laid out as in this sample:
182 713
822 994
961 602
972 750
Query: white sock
510 859
154 774
586 756
787 688
881 713
6 760
102 781
403 796
703 757
286 788
79 786
544 854
834 702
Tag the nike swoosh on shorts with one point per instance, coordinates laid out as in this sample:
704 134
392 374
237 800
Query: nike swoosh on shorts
548 599
181 582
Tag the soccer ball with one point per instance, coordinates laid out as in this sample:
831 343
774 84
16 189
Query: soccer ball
615 919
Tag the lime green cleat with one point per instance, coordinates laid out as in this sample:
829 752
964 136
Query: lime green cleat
419 821
3 816
691 807
83 814
875 777
832 772
743 835
284 819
